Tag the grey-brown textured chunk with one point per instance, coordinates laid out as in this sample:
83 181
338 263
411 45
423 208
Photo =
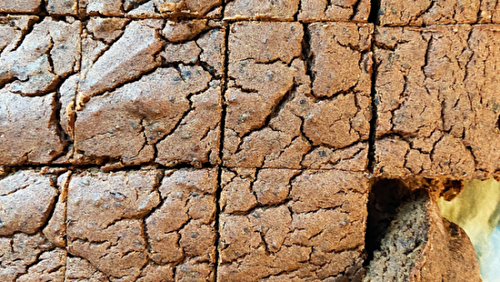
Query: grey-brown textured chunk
421 245
437 107
181 231
304 10
27 203
294 108
168 111
291 225
20 6
431 12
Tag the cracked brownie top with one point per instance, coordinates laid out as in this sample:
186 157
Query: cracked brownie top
298 98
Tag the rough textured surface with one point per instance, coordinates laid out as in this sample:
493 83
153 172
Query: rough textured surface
437 102
420 245
150 8
62 7
20 6
304 10
27 203
299 106
34 60
430 12
336 10
292 225
134 226
142 99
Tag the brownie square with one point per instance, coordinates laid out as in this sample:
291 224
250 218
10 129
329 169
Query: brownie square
292 225
305 10
37 56
298 98
437 102
143 225
20 6
32 210
149 91
431 12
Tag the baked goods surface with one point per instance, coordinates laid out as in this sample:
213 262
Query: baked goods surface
241 140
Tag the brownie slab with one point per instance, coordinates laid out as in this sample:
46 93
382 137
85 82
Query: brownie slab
292 225
305 10
431 12
32 212
438 107
36 56
149 92
144 225
303 106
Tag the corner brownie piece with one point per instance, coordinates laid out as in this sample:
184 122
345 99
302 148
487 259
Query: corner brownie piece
303 10
149 91
146 225
303 106
437 102
35 59
292 225
420 245
32 229
431 12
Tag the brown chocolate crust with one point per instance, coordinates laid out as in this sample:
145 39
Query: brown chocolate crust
287 225
440 118
282 113
433 12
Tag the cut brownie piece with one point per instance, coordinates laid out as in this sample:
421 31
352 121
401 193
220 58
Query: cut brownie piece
303 106
149 8
149 91
305 10
438 108
431 12
35 58
20 6
292 225
420 245
32 213
134 226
